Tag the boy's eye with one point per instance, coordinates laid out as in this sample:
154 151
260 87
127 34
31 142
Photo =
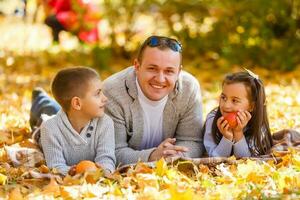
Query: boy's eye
98 92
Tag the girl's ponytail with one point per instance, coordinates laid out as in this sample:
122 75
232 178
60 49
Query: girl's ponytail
260 124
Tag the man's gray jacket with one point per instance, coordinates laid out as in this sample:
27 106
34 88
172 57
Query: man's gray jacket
182 116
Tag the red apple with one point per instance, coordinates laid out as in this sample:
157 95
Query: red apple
231 118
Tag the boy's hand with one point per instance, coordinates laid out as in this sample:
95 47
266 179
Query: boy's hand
99 166
224 128
243 117
72 170
106 172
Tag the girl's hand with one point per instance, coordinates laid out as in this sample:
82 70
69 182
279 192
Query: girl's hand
243 117
224 128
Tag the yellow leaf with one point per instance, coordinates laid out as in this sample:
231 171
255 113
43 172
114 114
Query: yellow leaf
29 144
161 167
4 137
171 174
93 176
15 194
117 191
44 169
142 168
255 178
73 180
147 180
223 180
207 183
180 195
52 188
3 179
69 192
296 161
3 155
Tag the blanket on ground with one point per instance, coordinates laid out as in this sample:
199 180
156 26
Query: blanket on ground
28 154
283 140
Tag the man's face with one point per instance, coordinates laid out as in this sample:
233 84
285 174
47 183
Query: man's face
158 72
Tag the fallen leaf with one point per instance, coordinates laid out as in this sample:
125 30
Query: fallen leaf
52 188
15 194
3 179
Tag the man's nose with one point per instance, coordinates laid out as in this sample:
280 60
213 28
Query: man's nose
160 77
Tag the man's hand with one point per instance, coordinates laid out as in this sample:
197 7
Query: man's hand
167 149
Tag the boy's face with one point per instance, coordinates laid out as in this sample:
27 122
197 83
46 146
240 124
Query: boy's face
94 100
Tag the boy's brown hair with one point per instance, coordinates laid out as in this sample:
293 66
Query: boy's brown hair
71 82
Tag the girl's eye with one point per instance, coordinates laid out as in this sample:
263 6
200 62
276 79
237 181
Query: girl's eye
235 101
223 98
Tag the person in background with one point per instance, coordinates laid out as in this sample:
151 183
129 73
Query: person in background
79 17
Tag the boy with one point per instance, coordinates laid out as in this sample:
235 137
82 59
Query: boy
80 130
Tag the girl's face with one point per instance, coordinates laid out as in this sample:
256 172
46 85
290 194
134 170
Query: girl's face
235 98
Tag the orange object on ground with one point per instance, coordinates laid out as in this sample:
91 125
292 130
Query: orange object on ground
85 165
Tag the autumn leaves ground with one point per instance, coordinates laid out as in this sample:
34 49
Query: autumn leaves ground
21 70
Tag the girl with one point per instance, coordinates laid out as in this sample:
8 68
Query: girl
239 126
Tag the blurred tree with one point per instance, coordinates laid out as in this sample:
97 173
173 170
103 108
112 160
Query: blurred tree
248 32
214 33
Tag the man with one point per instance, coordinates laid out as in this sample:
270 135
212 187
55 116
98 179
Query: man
156 107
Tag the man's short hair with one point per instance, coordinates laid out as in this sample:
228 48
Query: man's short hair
71 82
162 43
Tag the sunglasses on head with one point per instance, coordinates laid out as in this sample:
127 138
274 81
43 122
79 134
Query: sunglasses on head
155 41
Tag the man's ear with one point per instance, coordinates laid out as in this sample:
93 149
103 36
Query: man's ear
76 103
180 68
136 64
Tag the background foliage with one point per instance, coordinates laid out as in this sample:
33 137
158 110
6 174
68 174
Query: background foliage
249 32
214 33
218 37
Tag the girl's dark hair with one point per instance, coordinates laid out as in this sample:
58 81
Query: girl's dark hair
258 130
